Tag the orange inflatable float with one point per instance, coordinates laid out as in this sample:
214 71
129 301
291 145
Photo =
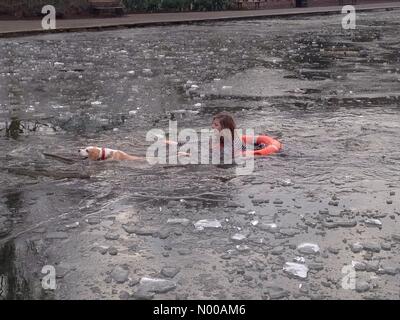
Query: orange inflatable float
269 145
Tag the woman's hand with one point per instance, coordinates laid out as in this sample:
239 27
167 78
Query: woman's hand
180 153
170 142
184 154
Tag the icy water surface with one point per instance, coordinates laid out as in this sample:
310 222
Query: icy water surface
331 96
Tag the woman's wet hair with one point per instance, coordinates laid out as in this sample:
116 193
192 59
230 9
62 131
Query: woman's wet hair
226 121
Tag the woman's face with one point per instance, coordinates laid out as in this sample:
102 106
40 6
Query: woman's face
216 125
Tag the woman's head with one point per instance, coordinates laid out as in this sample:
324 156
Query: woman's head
223 121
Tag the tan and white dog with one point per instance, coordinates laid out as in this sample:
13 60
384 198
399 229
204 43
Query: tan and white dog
96 153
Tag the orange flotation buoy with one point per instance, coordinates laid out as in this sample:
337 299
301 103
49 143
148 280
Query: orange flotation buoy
271 145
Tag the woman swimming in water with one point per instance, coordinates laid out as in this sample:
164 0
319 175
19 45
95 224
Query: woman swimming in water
229 140
225 138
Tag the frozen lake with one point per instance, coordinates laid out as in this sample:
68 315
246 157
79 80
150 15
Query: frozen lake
330 95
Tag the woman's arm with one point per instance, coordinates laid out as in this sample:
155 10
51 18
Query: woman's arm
180 153
170 142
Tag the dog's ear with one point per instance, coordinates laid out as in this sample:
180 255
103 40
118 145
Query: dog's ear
94 153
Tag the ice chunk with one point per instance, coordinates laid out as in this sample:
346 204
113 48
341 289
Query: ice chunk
238 237
308 248
296 269
300 259
375 222
206 223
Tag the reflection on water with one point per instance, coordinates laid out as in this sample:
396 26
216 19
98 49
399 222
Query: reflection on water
16 278
19 278
9 282
14 129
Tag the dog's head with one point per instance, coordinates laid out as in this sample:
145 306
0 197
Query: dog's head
93 153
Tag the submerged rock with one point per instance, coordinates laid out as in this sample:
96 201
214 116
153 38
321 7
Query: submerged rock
111 236
112 251
276 293
316 266
370 246
164 233
277 250
356 247
289 232
142 231
362 286
93 220
184 251
183 221
389 269
120 274
5 226
170 272
396 237
371 266
386 246
143 295
358 266
123 295
333 250
259 201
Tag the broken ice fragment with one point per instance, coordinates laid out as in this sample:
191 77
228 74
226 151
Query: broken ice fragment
296 269
375 222
238 237
308 248
201 224
300 259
